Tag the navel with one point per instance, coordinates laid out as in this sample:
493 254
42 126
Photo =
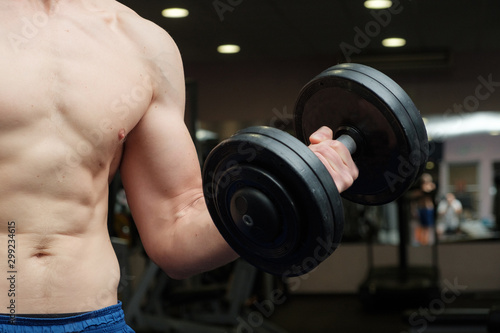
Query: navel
40 255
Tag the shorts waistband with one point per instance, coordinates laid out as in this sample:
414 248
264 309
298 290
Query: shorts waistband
109 319
47 315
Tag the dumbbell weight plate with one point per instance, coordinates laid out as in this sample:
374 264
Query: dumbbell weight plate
273 201
393 147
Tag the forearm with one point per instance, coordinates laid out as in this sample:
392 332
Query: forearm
188 242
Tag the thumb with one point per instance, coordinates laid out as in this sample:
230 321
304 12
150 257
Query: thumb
322 134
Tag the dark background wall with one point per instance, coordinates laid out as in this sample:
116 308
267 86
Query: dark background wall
233 93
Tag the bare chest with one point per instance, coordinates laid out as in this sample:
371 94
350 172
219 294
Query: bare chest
80 90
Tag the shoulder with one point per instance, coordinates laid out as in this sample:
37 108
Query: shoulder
150 38
153 44
156 48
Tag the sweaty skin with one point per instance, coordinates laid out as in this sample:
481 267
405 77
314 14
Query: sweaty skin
87 87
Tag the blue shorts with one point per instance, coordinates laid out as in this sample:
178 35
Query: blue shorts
110 319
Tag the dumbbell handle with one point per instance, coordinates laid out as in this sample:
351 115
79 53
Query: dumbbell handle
349 142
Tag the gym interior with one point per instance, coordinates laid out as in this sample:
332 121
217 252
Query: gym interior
390 273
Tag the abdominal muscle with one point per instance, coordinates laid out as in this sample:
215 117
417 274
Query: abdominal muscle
55 251
56 266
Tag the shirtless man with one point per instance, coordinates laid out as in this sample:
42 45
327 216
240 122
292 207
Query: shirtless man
89 87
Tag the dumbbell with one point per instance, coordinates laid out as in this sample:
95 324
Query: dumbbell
274 201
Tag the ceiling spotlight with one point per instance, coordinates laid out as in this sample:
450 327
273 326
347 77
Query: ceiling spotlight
175 12
228 49
394 42
378 4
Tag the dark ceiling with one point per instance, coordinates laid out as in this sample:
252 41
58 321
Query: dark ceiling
283 29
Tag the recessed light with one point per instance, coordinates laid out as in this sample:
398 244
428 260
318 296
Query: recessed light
394 42
228 49
175 12
378 4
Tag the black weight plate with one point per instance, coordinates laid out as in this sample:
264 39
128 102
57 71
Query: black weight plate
305 225
409 107
394 147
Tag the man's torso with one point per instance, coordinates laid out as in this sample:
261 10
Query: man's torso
73 85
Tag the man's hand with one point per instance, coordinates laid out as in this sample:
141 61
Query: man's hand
335 157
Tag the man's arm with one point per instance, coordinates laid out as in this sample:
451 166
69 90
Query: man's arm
162 178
